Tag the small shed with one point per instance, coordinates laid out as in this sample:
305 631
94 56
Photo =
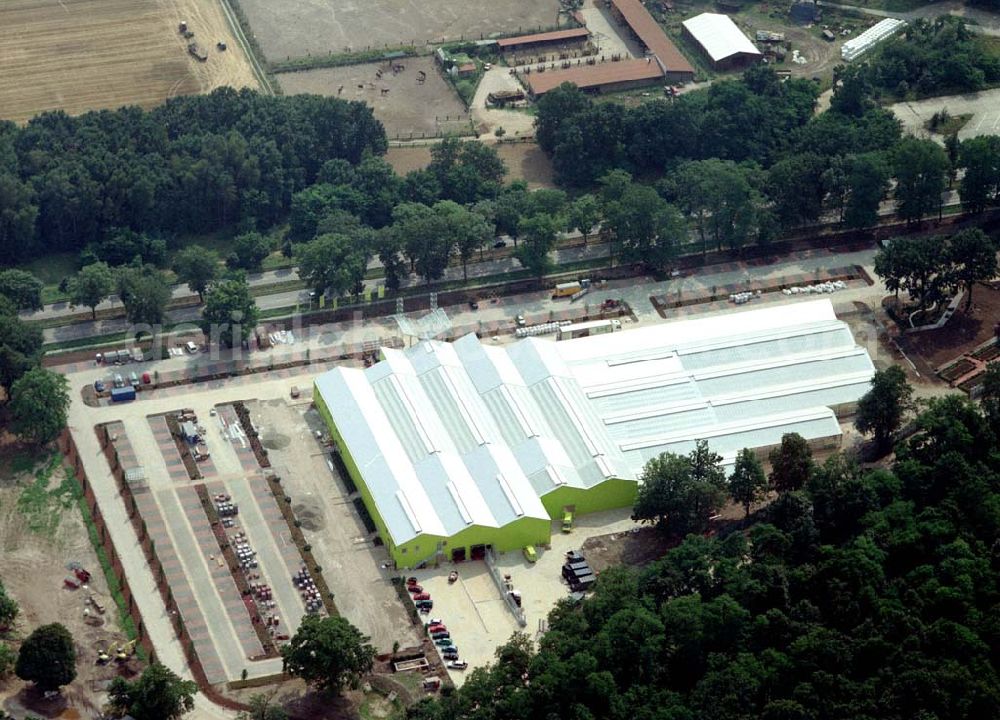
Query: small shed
466 69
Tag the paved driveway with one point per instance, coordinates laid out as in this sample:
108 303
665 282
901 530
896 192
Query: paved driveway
983 106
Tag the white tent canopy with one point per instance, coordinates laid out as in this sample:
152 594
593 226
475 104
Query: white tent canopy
719 36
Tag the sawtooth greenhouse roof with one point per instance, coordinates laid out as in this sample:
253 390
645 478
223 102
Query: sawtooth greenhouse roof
719 37
446 435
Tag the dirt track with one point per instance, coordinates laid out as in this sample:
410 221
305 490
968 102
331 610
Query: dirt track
80 55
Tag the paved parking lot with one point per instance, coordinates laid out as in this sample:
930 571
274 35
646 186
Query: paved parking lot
352 564
983 106
475 613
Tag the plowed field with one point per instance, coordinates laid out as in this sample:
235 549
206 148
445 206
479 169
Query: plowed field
80 55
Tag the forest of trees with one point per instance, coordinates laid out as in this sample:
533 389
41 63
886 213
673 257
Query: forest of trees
934 57
193 164
867 593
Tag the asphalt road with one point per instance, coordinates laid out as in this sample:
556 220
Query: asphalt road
293 298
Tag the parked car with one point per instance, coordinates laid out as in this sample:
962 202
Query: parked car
436 634
99 386
191 347
500 244
456 664
421 595
435 621
443 642
146 378
424 604
119 381
411 581
448 655
415 589
436 627
448 649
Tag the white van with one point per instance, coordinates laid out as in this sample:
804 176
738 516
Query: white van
191 347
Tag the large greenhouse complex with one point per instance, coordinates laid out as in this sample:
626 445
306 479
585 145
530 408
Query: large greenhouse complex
461 446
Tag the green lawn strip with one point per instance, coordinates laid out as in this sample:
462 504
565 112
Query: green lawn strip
87 342
114 588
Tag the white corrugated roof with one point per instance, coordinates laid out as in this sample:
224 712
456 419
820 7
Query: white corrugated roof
449 435
719 36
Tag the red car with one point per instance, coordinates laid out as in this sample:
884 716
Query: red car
421 596
415 588
436 628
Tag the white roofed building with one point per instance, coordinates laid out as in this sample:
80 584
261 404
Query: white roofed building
721 40
459 446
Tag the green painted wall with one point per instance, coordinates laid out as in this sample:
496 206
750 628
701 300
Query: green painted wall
352 468
609 494
513 536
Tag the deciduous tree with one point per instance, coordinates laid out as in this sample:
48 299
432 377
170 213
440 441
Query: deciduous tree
973 257
791 463
47 658
39 405
679 492
230 313
881 410
328 652
144 294
249 251
157 694
748 483
198 267
539 234
22 288
20 348
584 214
92 286
920 167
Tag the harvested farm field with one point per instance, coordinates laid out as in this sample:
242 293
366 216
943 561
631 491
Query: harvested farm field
81 55
289 29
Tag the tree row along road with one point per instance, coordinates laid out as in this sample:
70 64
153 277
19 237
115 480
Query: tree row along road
571 250
181 292
293 298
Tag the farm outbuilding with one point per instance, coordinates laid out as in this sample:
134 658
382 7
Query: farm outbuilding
456 447
721 40
546 40
601 77
650 35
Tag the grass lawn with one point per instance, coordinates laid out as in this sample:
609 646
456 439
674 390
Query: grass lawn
51 269
949 126
41 505
899 6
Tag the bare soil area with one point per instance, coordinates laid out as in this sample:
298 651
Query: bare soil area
962 333
408 108
41 531
297 28
524 160
80 55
